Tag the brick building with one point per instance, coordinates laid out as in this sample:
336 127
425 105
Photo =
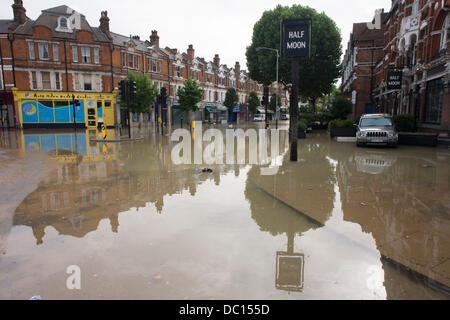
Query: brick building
416 42
364 49
48 62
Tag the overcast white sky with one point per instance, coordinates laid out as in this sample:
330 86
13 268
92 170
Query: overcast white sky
212 26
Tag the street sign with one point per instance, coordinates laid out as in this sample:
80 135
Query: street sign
296 37
394 81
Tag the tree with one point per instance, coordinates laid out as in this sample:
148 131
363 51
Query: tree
275 101
318 73
341 108
231 98
190 96
253 102
146 92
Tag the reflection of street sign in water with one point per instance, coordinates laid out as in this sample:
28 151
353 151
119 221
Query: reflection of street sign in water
289 276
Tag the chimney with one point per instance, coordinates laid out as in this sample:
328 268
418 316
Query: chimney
154 39
136 38
191 52
104 22
217 60
237 68
19 12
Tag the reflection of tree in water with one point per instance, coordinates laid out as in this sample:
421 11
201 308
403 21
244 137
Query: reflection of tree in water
275 217
307 186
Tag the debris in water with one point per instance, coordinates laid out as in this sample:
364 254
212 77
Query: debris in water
207 170
364 204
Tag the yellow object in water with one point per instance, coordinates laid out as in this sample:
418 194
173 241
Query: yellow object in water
104 132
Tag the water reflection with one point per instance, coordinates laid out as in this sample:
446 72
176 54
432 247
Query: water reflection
314 226
402 198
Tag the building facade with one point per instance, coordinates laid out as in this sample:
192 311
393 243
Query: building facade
416 43
364 49
59 57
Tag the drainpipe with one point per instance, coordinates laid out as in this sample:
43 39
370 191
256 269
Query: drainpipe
65 65
11 40
111 48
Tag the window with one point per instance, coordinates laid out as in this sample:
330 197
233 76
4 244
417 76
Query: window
33 80
76 79
75 53
87 82
46 83
124 59
96 55
209 77
43 51
178 72
445 32
31 49
57 81
86 54
55 52
63 22
433 106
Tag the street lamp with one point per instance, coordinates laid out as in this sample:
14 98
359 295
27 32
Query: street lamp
278 86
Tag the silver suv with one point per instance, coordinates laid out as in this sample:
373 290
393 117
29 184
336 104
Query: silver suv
376 129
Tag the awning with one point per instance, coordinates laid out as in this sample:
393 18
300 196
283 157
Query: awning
222 108
211 109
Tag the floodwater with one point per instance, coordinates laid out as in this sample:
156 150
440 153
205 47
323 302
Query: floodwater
342 223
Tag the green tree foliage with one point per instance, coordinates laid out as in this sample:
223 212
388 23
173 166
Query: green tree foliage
275 100
190 95
146 92
253 102
341 108
317 74
231 98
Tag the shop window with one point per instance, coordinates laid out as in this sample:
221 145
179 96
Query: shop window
43 51
46 83
434 100
107 104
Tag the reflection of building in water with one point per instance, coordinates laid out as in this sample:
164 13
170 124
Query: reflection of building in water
404 203
75 197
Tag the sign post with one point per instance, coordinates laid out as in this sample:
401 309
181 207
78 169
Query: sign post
296 43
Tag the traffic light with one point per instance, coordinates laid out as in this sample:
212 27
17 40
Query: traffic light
123 90
163 97
266 95
132 86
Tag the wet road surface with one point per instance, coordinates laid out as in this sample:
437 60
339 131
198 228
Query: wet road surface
342 223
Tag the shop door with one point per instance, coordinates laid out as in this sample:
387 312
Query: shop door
92 117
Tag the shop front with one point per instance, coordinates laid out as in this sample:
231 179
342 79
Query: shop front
60 110
7 114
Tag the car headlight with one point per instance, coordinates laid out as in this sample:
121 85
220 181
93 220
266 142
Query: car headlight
362 134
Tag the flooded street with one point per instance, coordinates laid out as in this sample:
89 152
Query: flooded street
342 223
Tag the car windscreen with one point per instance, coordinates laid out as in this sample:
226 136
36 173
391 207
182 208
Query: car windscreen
376 122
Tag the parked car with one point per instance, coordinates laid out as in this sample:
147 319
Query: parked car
259 118
376 129
284 117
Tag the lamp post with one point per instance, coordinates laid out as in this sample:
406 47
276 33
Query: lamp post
278 87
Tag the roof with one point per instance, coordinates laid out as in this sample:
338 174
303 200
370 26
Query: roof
49 18
5 24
